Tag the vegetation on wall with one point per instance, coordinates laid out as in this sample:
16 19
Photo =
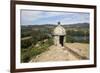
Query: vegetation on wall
34 42
33 51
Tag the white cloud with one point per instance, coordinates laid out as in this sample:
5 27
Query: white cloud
29 16
34 15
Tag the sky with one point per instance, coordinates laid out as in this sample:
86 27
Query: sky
33 17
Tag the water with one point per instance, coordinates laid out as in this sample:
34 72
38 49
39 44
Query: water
79 38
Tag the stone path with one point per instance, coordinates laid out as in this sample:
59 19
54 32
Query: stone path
55 54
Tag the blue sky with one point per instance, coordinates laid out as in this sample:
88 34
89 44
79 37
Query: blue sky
31 17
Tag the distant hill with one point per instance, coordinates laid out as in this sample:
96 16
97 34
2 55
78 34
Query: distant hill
81 25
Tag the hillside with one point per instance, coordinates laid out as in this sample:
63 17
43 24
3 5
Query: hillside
81 25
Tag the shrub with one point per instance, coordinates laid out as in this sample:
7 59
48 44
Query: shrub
26 43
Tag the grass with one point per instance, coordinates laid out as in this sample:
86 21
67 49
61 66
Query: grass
28 53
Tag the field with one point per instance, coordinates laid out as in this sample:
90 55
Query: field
36 41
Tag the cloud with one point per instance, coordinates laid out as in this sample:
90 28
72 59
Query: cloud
76 18
43 17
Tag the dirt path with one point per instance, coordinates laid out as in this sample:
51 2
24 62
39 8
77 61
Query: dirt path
57 54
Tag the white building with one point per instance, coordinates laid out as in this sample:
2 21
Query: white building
59 35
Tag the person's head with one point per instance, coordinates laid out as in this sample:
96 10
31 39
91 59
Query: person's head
58 23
